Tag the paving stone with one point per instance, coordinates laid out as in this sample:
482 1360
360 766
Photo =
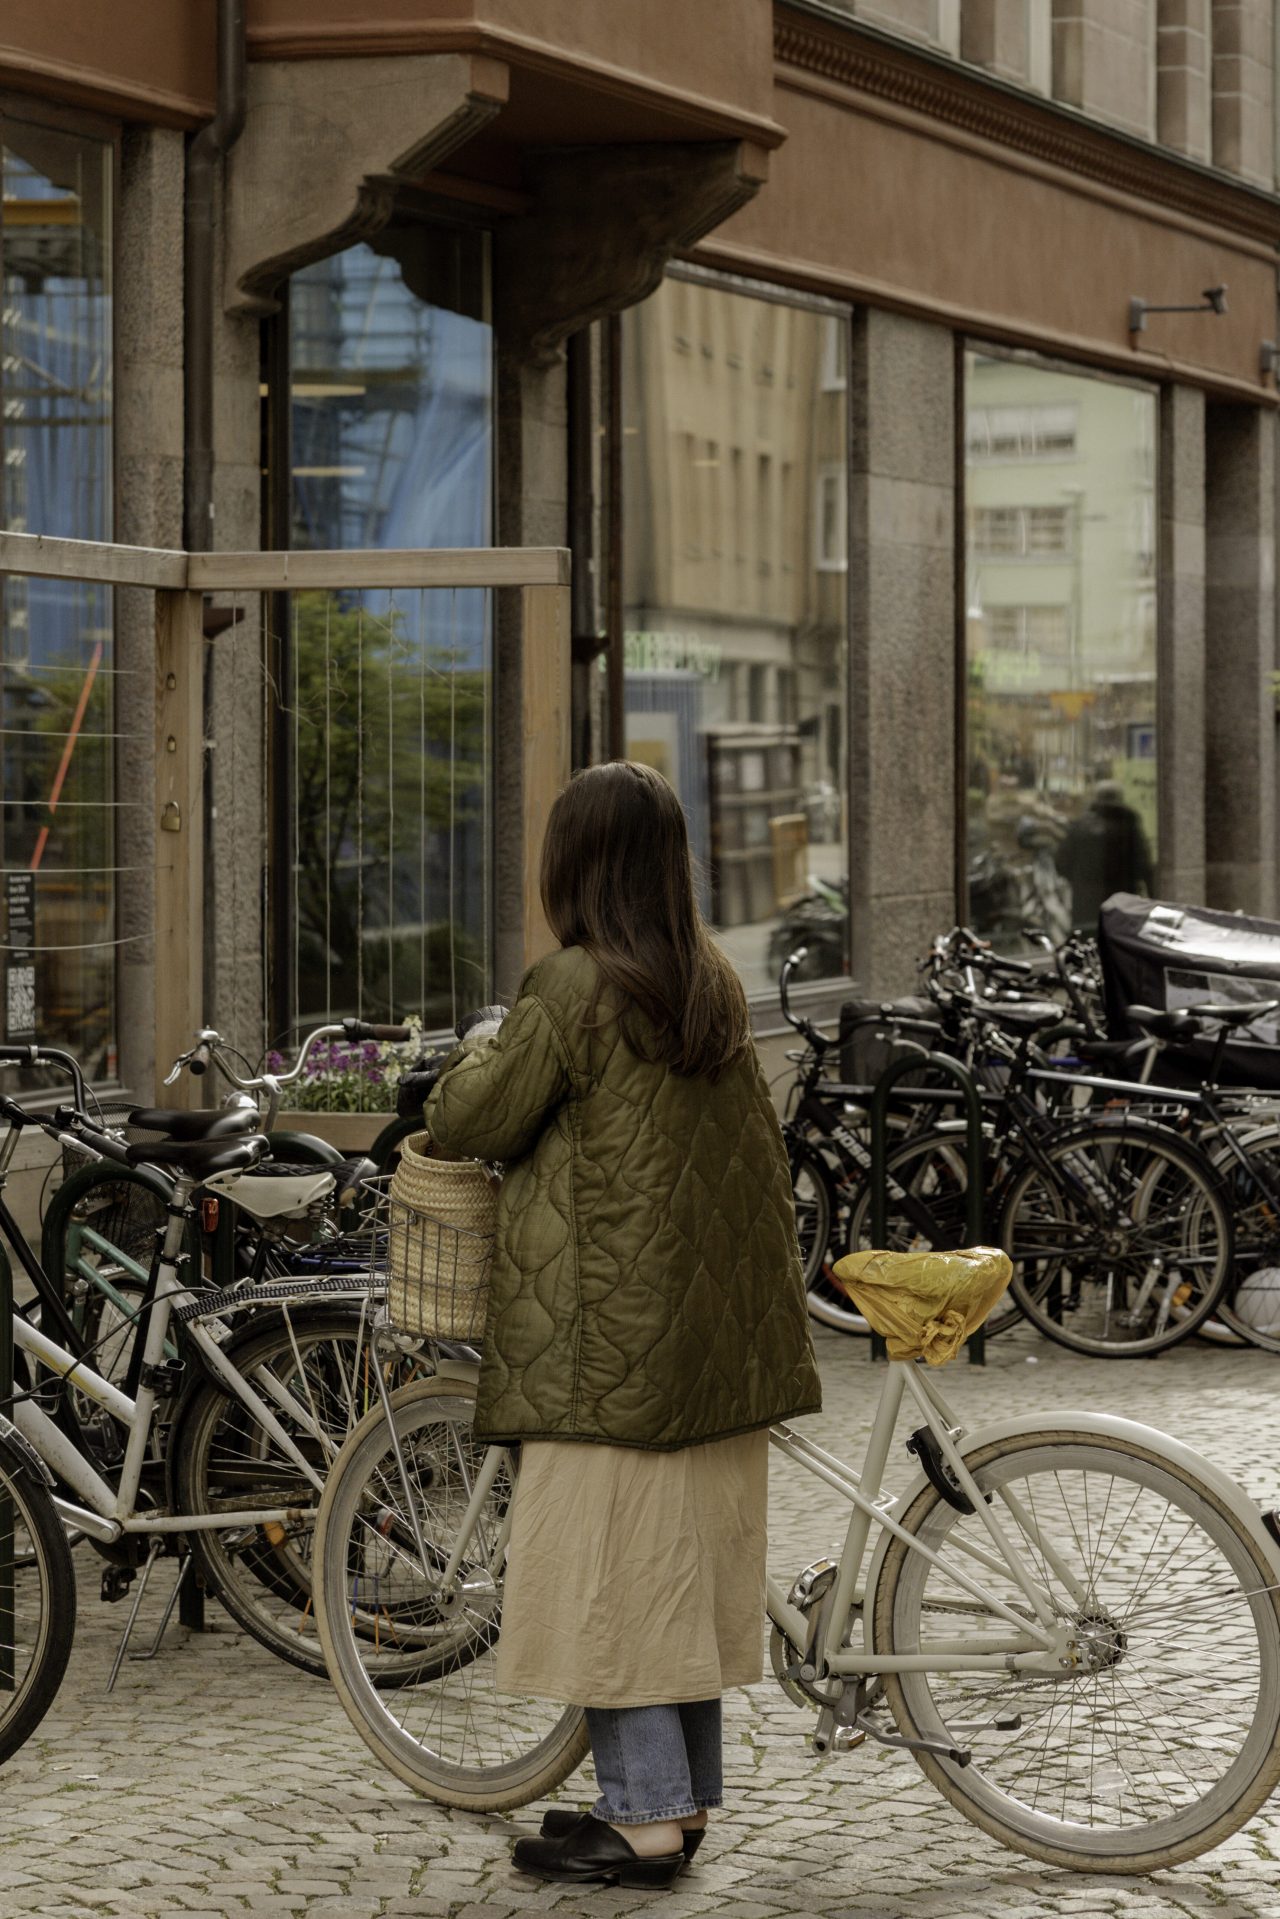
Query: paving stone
218 1781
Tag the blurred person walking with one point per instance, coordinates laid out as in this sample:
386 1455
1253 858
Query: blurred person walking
1103 852
646 1323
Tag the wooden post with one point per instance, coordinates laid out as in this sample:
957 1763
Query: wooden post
179 833
545 699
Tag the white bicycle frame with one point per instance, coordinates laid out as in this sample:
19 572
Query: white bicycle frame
111 1509
1035 1639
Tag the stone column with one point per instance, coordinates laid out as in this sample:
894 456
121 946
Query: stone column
1182 77
1243 65
1180 648
148 460
1104 61
902 727
1240 657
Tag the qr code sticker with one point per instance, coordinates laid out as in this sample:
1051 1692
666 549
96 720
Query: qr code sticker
21 1001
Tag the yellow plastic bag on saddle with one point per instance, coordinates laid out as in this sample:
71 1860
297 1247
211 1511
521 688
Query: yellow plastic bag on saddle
925 1305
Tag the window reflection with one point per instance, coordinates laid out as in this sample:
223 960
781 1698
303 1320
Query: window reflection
57 816
1061 644
391 359
735 463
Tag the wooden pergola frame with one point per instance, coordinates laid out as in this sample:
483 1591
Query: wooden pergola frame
181 580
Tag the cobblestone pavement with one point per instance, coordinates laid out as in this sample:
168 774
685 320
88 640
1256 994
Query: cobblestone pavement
218 1781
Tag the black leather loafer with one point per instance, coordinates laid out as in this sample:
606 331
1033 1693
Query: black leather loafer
559 1820
592 1850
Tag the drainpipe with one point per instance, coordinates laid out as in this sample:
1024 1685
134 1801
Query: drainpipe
204 154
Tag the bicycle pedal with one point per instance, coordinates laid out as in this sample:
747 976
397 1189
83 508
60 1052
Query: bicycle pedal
116 1581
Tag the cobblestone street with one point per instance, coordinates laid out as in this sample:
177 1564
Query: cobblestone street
218 1781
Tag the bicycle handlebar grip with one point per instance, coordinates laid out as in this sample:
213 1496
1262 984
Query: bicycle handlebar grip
200 1060
359 1029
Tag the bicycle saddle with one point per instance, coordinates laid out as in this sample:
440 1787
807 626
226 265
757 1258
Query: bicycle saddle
1022 1016
219 1122
200 1157
1185 1021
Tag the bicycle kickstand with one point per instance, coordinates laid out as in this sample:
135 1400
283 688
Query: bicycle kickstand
134 1609
185 1564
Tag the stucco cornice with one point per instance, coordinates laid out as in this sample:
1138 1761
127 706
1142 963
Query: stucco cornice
869 63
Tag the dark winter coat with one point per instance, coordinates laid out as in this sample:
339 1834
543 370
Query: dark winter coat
646 1287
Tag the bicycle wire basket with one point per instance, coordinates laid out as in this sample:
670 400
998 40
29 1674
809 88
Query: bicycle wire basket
441 1219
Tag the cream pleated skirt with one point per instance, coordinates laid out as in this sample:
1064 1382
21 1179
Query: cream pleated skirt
635 1578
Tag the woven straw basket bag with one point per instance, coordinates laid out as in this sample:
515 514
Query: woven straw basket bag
442 1218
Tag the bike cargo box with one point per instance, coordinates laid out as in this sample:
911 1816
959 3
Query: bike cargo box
867 1047
1157 954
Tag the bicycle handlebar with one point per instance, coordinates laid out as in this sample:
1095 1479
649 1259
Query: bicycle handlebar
36 1055
360 1029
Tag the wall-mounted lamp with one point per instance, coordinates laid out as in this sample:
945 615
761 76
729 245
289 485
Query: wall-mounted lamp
1212 300
1269 359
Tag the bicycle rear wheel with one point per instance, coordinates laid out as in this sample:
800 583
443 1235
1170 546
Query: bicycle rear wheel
445 1731
37 1599
1160 1736
1120 1239
321 1357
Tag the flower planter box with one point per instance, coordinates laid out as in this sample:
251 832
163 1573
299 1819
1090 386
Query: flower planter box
350 1132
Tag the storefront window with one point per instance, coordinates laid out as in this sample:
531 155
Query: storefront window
735 581
1060 596
57 786
388 695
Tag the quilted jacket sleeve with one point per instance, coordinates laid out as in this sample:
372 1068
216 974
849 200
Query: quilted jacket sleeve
492 1102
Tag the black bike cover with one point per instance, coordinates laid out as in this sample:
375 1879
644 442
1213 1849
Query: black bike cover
1157 954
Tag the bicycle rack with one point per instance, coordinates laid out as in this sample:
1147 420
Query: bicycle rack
912 1063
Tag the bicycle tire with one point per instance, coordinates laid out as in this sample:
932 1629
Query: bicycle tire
437 1414
223 1456
814 1198
1096 1259
44 1619
1249 1306
1201 1642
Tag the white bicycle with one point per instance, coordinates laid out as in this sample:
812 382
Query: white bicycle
1072 1623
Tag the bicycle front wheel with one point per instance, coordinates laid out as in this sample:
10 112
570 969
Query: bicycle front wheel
37 1600
319 1361
1120 1239
388 1524
1160 1736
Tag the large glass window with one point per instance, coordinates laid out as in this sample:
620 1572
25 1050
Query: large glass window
735 583
57 789
388 695
1060 595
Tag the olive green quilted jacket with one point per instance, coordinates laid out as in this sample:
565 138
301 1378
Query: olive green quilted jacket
646 1287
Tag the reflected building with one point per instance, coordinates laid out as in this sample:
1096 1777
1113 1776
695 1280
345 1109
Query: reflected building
735 584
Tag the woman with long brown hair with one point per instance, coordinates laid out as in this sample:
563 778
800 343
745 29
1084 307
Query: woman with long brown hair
646 1322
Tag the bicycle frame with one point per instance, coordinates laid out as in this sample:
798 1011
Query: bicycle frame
110 1511
1033 1645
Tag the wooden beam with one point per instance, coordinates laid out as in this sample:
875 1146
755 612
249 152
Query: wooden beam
413 567
94 560
545 695
179 832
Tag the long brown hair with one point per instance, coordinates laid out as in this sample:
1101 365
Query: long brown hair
617 879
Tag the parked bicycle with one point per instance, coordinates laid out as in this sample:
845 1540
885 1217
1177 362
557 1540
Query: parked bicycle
1072 1624
208 1432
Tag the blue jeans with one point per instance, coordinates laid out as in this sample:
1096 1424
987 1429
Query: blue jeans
656 1762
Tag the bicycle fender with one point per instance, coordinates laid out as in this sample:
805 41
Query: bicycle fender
28 1457
1104 1426
308 1147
